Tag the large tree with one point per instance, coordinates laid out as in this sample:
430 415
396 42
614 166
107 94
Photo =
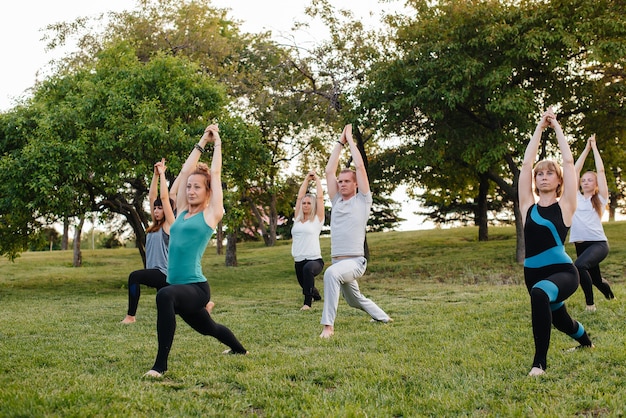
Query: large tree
94 134
264 86
464 83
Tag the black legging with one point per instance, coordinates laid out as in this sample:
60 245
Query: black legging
189 301
589 255
547 298
149 277
306 270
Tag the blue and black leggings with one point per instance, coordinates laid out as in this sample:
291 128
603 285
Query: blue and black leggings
547 296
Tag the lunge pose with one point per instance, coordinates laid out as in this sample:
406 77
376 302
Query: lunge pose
157 241
549 273
587 233
200 209
351 200
305 247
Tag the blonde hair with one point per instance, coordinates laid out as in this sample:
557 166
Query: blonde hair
553 166
300 214
595 198
349 170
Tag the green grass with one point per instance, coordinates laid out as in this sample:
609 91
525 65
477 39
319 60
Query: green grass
461 343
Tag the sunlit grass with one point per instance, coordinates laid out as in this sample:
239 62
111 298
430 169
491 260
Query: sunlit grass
460 345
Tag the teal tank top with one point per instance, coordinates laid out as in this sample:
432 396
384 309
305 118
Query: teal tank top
188 240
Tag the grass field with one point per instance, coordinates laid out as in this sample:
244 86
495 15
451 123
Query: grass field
461 343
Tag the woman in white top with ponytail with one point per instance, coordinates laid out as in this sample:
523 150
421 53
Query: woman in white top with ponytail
306 230
587 233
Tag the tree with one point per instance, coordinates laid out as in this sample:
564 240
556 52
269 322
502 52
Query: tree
257 72
96 132
465 81
334 72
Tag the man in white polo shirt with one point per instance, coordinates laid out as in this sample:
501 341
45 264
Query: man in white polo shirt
348 219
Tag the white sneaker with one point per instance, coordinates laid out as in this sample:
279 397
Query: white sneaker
590 308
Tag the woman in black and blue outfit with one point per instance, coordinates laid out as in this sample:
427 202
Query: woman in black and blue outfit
549 273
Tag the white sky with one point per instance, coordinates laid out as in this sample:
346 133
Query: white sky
22 23
25 57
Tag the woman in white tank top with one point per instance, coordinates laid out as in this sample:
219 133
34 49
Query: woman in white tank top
587 233
305 247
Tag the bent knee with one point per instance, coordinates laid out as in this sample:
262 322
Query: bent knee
537 294
163 296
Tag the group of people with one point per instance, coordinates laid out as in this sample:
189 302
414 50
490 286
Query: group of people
549 273
175 244
351 201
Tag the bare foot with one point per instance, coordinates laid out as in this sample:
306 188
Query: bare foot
230 351
128 320
328 331
305 308
153 374
536 371
209 307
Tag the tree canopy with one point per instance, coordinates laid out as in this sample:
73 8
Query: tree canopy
92 136
465 82
444 98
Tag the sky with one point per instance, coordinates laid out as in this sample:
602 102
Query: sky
24 53
25 58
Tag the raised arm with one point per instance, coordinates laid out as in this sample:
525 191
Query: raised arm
525 182
580 162
567 202
168 211
214 212
362 180
152 192
302 191
319 204
333 163
603 187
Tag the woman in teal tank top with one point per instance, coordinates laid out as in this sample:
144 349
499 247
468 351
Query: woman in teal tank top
200 209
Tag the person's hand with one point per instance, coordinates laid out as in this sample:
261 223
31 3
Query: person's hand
342 138
591 142
160 167
212 133
547 119
312 175
347 132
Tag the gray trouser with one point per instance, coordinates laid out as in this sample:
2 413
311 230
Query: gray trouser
342 275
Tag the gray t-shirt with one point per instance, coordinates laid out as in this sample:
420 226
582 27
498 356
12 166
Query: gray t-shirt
348 219
156 250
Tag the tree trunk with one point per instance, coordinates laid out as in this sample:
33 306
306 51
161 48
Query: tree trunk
219 238
231 250
66 232
520 251
135 216
613 199
271 239
78 256
140 237
480 218
260 221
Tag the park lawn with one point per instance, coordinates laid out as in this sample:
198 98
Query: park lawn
460 344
